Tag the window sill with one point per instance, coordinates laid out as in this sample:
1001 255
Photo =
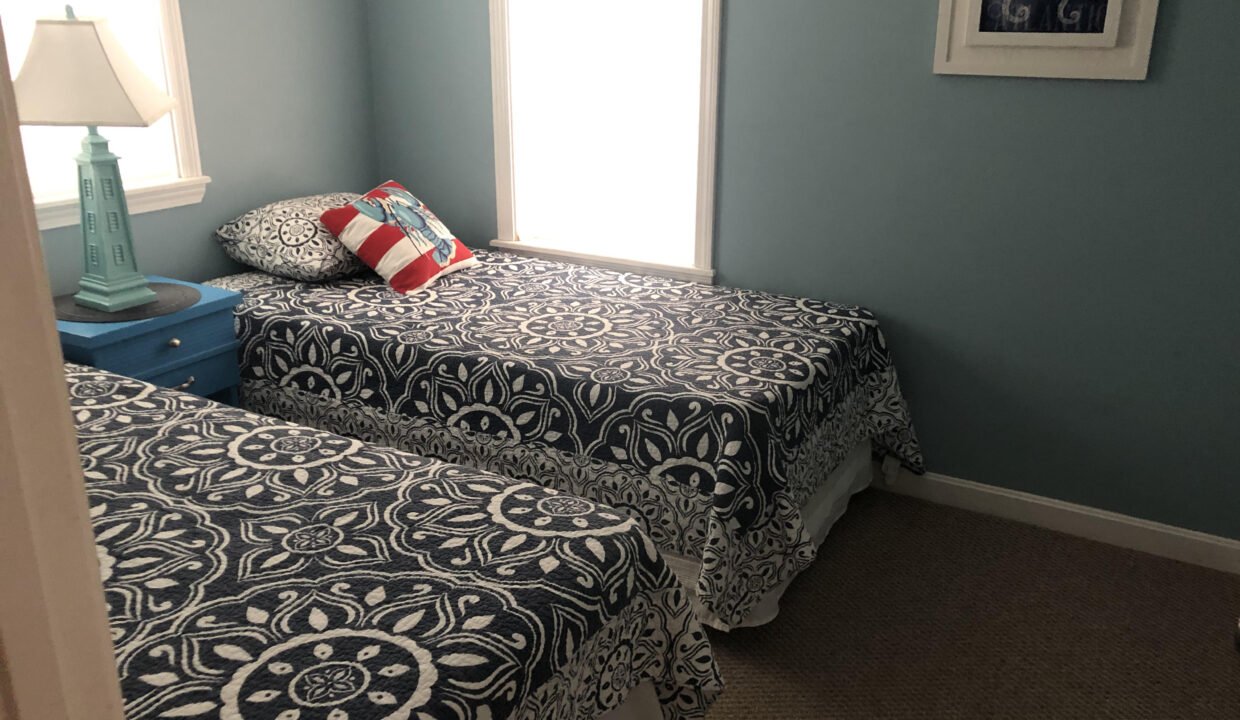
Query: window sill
64 211
689 274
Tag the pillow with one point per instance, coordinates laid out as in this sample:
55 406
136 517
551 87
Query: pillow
286 238
396 234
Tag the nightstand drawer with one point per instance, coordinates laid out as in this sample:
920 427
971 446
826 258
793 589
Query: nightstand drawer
165 346
201 377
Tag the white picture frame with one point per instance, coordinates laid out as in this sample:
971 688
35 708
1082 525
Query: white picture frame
1120 52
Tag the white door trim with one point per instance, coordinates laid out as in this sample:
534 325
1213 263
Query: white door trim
57 660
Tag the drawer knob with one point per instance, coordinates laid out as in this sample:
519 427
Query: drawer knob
189 382
174 343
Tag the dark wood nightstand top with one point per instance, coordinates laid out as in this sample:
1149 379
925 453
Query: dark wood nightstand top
193 349
91 335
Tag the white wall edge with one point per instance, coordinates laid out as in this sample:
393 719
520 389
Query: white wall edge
688 274
501 119
64 212
1168 541
708 126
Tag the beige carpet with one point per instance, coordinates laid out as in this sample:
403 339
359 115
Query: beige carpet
915 610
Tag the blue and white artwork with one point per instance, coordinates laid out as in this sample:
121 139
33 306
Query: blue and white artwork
1043 16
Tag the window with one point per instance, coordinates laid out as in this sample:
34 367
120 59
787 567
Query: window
159 164
605 130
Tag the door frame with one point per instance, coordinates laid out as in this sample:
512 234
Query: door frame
56 655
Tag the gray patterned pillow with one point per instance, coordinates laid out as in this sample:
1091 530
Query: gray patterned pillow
287 238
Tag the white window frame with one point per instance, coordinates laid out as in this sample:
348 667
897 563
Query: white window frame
191 185
505 199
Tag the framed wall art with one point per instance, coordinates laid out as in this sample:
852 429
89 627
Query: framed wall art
1100 39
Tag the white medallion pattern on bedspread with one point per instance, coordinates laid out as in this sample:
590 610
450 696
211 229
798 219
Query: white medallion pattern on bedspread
708 414
257 570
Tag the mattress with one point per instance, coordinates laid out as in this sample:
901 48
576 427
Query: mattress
258 569
711 415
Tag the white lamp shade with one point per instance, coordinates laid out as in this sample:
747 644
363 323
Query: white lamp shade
77 73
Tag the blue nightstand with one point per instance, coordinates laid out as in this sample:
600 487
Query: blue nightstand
194 349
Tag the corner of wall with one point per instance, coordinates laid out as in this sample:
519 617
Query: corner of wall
372 115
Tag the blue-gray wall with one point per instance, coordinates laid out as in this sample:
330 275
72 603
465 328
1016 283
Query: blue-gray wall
282 101
433 131
1055 261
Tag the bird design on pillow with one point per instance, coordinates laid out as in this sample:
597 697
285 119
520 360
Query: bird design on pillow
400 209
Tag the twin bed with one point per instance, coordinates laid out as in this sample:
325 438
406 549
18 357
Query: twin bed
568 469
255 569
732 425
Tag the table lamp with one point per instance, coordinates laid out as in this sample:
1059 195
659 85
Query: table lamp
77 73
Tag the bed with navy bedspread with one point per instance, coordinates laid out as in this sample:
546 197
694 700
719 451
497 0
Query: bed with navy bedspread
708 414
258 570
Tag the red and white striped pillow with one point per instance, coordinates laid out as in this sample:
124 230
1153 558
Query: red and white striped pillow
399 237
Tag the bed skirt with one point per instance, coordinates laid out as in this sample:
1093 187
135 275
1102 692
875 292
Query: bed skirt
641 704
821 513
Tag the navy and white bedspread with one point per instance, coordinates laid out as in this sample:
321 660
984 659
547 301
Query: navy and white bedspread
259 570
709 414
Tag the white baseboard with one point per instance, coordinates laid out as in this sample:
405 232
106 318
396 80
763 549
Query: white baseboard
1124 531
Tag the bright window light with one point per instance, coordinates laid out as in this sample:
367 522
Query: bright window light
148 155
605 102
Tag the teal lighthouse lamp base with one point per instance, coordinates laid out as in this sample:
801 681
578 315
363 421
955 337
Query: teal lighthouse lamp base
110 279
